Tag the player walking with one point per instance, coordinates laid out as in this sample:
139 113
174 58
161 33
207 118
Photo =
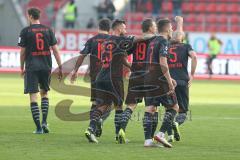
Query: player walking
161 86
36 41
109 82
136 91
93 47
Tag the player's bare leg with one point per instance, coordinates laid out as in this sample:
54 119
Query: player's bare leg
44 108
35 112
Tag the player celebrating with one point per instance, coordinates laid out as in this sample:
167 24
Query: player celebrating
135 92
161 86
109 82
36 41
138 70
178 66
93 47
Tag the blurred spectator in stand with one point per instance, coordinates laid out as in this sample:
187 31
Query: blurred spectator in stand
70 14
106 9
91 24
157 6
110 9
214 47
133 5
101 9
50 13
177 7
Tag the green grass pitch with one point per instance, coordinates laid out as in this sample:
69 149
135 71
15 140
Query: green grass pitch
213 133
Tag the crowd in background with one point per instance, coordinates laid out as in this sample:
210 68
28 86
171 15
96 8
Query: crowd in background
154 6
106 9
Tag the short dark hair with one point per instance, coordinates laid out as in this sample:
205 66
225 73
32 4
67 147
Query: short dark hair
104 24
161 24
34 12
117 22
146 24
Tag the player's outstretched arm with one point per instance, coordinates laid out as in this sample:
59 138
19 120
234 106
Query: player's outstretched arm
22 59
58 59
77 65
193 56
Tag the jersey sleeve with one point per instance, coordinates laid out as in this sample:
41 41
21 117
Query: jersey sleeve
163 50
87 48
53 40
22 39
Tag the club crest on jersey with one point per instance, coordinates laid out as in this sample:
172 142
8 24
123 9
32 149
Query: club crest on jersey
166 48
125 45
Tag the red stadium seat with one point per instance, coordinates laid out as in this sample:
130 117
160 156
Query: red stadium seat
137 16
189 27
188 7
128 16
234 18
200 7
190 18
199 28
211 7
200 18
211 18
149 7
136 26
211 28
222 18
221 7
235 28
222 28
167 7
232 8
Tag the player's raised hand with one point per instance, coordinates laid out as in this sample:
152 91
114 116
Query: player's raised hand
179 19
73 77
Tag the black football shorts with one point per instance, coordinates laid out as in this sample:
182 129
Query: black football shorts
35 79
136 90
110 92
